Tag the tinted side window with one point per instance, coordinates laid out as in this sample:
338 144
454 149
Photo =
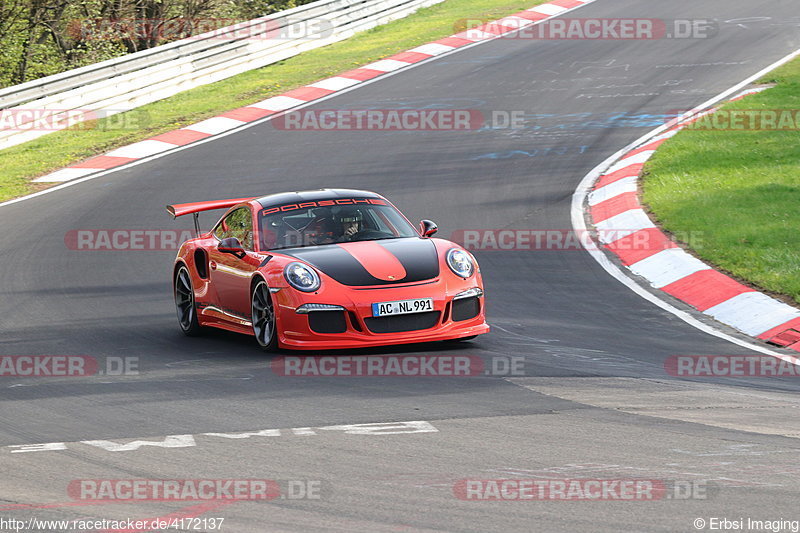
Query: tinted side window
239 224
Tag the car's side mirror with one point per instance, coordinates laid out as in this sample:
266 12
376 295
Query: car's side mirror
427 228
231 245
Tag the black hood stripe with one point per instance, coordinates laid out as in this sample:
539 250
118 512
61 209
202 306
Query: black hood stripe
418 257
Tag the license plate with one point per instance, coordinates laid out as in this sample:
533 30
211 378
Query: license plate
402 307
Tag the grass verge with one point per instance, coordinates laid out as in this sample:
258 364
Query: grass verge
20 163
738 191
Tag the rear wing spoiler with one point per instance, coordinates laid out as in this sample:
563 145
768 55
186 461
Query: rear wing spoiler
178 210
195 208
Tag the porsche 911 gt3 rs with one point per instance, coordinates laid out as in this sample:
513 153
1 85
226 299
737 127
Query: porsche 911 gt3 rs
325 269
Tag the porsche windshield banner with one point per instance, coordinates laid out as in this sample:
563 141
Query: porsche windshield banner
322 203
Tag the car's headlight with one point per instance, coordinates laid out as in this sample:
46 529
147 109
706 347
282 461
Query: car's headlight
301 277
460 263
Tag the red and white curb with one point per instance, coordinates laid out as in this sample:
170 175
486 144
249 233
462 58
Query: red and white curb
623 227
303 95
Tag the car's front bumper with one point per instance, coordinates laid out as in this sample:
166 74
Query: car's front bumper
356 327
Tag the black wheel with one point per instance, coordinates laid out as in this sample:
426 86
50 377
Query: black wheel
263 314
184 303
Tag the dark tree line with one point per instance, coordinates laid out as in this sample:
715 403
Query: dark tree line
43 37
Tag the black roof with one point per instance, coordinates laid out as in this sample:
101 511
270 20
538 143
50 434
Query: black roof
312 196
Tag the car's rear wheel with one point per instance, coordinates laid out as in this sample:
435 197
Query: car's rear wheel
263 315
185 305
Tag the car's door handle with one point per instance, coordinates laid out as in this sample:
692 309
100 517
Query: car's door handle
213 265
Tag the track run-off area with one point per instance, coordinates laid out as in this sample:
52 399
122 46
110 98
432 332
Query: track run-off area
574 380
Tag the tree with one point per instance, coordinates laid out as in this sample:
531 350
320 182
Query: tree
43 37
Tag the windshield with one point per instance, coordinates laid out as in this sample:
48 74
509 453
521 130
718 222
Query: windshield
312 224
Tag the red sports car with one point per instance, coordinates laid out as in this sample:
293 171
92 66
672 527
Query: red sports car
325 269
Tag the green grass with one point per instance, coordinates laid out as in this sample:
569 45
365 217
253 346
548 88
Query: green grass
21 163
738 190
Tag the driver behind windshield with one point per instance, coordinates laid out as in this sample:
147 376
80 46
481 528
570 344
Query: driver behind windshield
321 230
314 226
327 227
350 221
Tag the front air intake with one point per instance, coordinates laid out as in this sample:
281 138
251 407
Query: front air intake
327 322
466 308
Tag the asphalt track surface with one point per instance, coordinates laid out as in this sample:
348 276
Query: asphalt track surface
595 400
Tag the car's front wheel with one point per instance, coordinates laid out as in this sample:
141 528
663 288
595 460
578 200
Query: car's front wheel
263 315
184 303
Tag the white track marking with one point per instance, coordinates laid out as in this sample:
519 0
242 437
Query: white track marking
171 441
664 136
622 225
632 160
512 21
278 103
247 434
548 9
668 266
416 426
65 174
614 189
216 125
753 312
141 149
433 49
336 83
475 35
189 441
387 65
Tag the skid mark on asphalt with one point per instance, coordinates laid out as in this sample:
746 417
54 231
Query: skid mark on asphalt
729 474
552 353
138 379
723 406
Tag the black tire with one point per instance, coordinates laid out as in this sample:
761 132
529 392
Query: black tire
262 313
185 304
